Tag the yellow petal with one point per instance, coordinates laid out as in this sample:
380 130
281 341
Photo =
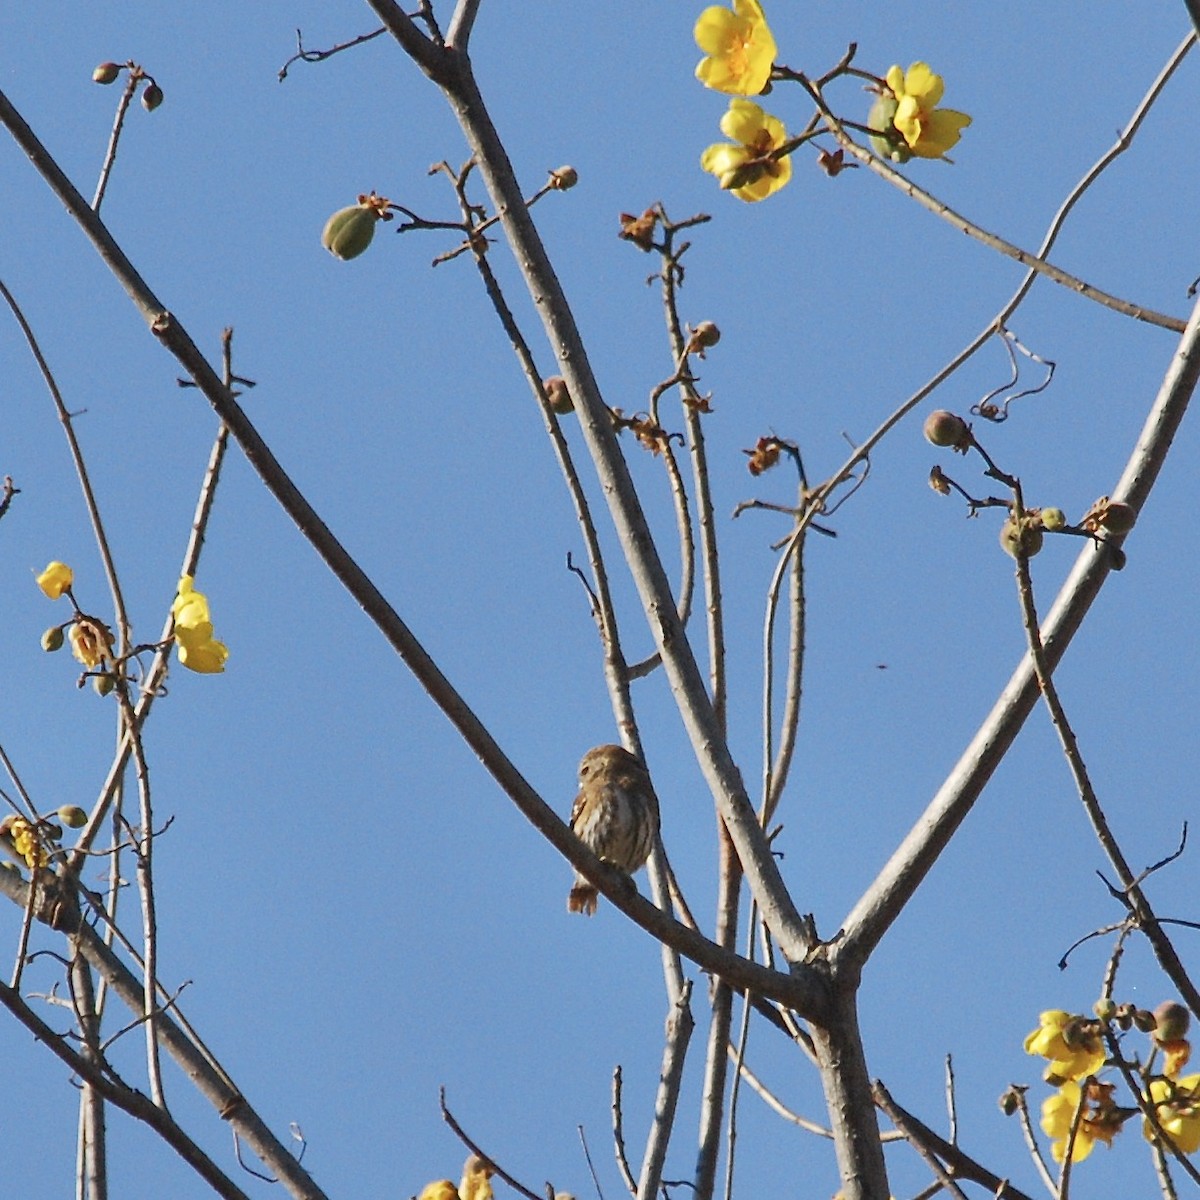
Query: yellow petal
55 579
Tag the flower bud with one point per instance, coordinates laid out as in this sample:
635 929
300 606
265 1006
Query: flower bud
1172 1020
152 97
1020 538
1053 518
1010 1101
72 816
1105 1009
52 639
705 335
944 428
557 395
564 178
349 231
102 684
882 117
106 72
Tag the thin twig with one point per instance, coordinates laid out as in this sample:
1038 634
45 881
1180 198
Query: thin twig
618 1124
126 1098
89 496
1027 259
315 56
670 1079
1131 891
898 1117
471 1145
928 1143
133 78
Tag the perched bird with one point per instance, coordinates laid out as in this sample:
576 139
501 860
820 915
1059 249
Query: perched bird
615 815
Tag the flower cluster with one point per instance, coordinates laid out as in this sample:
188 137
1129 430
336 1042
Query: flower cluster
198 649
19 839
1082 1111
92 641
739 53
739 57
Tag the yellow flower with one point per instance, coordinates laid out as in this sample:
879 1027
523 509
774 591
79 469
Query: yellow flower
928 130
20 841
739 48
1177 1105
476 1179
744 168
439 1189
198 650
1074 1051
91 641
55 579
1100 1120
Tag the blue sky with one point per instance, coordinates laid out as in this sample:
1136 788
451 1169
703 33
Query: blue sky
361 915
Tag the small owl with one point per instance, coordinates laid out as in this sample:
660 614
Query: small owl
615 815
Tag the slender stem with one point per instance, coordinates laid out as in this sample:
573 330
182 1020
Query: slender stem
886 897
1131 890
195 1062
92 1150
886 171
110 155
105 1082
670 1077
712 752
89 496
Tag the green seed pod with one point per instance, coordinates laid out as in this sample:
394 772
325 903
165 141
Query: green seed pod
1053 518
72 816
52 639
741 176
349 231
882 117
1020 539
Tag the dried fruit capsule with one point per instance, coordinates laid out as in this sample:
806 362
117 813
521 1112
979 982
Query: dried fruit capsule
349 231
106 72
883 117
1171 1021
944 428
1118 517
557 395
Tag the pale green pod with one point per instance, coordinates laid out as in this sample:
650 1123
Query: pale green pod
882 117
349 231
